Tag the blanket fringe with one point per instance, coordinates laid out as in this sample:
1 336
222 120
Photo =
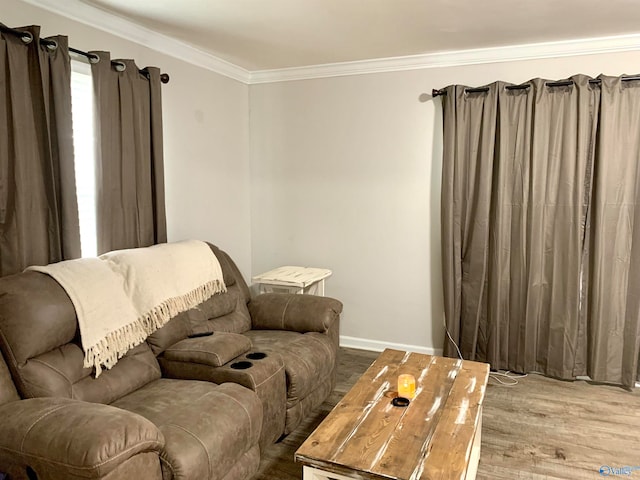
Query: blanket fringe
116 344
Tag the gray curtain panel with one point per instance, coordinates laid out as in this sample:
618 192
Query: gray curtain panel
38 205
129 159
538 208
467 169
614 289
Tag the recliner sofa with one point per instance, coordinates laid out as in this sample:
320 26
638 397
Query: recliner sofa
176 406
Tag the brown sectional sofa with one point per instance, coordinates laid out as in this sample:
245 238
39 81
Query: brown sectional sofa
174 406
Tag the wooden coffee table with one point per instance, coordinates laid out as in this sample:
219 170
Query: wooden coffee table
436 437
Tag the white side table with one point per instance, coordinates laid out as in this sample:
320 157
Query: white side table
289 279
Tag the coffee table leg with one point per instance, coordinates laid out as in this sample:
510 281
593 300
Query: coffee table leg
474 458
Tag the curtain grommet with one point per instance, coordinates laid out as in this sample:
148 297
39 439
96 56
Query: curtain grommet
93 58
119 66
26 37
52 45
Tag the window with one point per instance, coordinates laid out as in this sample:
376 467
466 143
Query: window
83 145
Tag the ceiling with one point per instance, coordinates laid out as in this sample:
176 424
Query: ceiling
273 34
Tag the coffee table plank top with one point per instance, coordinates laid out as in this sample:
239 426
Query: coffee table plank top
450 445
429 439
343 420
420 421
373 434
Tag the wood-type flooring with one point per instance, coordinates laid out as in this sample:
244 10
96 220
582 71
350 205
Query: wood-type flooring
540 429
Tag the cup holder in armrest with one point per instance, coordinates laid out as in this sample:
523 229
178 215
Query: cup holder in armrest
241 365
256 355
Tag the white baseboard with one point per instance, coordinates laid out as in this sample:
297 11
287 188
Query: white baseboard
588 379
378 346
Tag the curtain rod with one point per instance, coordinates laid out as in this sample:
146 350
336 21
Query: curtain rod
565 83
27 37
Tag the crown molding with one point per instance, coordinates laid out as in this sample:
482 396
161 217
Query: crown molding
532 51
121 27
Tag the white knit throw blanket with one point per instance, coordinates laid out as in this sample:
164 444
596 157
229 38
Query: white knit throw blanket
123 296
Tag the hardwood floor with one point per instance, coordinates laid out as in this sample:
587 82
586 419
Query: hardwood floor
539 429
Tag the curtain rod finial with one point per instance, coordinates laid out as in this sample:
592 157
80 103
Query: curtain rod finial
436 93
164 78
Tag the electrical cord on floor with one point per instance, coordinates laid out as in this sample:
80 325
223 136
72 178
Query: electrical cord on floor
453 341
504 379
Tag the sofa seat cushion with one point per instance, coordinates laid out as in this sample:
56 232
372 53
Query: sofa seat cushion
207 427
308 358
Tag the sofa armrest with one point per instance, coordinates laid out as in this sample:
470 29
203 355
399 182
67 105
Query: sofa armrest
71 438
214 350
298 313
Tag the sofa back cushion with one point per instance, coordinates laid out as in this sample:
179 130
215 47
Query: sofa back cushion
230 270
39 340
8 392
223 312
229 312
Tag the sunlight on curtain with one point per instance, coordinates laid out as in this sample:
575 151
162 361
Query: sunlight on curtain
83 143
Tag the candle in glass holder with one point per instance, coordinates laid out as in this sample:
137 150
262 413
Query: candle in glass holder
406 386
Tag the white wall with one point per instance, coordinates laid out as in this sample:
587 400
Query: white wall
206 135
346 175
342 172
